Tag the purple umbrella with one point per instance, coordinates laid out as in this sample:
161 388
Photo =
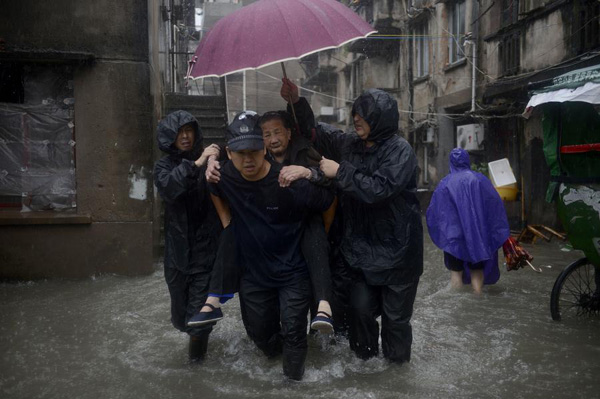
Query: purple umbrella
271 31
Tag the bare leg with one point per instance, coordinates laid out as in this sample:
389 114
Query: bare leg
456 279
477 280
213 300
324 307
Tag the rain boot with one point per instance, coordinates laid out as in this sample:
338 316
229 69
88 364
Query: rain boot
293 363
198 347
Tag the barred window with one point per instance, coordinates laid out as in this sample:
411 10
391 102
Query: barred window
456 25
587 30
421 47
509 51
37 155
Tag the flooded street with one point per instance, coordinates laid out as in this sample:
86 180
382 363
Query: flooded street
110 337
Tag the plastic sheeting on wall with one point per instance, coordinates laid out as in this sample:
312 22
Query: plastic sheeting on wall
37 157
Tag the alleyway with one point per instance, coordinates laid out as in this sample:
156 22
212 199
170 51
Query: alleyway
110 337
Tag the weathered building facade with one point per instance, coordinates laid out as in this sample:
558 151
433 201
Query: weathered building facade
461 71
76 120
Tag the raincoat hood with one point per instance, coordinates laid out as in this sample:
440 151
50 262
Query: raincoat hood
380 111
167 133
459 160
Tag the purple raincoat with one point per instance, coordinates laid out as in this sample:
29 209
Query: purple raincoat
466 217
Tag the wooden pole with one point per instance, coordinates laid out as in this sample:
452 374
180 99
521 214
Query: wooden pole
523 220
290 100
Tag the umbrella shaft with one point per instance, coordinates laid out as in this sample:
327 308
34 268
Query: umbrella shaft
290 100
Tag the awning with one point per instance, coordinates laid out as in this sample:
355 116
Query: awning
581 85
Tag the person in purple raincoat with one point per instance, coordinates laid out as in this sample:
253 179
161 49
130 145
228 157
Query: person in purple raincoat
467 220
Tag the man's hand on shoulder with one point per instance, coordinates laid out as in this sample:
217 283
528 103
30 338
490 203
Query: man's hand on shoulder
209 152
213 175
329 168
290 174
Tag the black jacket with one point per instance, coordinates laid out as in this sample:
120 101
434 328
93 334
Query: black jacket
301 152
191 222
382 230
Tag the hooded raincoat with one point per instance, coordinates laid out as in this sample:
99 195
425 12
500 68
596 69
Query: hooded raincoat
191 225
466 217
382 234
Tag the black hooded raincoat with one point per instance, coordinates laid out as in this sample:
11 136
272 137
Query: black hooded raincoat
192 226
382 230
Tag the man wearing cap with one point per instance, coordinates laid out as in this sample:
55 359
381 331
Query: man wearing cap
268 221
298 158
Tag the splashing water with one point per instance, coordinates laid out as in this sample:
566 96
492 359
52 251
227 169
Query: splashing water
110 337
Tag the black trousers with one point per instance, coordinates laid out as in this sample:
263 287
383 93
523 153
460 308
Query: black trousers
275 319
341 282
226 274
188 293
315 249
458 265
394 303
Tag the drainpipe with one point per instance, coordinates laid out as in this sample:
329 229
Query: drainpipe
473 73
473 39
244 107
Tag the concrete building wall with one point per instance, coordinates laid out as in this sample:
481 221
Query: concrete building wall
543 44
114 122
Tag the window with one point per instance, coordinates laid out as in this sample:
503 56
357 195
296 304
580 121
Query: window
37 157
421 45
587 32
510 12
456 25
357 76
509 51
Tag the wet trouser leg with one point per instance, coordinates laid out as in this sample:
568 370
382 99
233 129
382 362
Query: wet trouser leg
188 293
340 295
397 303
315 249
263 311
225 275
364 309
260 313
294 301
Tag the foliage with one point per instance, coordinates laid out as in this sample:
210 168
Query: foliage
481 168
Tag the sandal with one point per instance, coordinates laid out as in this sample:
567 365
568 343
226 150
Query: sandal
323 323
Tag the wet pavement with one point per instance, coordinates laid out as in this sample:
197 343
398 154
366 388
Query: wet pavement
110 337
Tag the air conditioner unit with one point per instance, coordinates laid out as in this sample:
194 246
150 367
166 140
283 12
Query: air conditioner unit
470 137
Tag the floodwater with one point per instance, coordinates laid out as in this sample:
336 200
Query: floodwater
110 337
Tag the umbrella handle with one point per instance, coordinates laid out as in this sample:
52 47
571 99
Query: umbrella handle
290 101
189 70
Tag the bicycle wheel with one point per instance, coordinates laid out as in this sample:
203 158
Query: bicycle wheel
576 292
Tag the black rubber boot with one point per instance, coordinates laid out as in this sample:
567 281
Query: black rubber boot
198 347
293 363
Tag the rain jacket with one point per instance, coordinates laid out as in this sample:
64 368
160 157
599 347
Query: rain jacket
466 217
192 226
382 233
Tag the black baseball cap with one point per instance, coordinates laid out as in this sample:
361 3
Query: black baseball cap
244 133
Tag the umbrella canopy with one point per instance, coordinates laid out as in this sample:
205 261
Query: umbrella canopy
271 31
